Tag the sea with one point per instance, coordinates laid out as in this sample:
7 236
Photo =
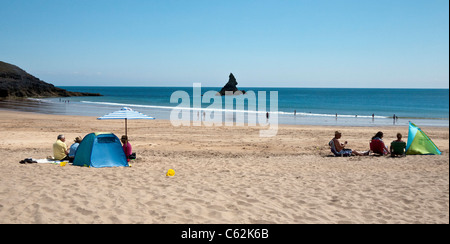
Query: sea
295 106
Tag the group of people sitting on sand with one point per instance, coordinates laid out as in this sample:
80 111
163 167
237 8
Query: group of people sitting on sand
61 152
377 146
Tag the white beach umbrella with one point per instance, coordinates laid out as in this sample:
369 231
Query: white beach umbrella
125 113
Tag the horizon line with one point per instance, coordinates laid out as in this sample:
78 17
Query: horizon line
308 87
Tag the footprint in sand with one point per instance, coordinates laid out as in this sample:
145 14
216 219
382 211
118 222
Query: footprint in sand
84 211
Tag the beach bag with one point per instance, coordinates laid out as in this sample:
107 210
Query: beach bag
132 156
28 161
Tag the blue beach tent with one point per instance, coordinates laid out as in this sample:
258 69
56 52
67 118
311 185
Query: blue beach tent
100 150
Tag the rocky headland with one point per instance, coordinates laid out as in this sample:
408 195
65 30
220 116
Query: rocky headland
17 83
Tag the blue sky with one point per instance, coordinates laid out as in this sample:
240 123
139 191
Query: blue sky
279 43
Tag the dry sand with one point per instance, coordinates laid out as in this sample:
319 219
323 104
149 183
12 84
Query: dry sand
223 175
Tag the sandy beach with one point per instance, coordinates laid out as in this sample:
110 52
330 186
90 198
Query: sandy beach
223 175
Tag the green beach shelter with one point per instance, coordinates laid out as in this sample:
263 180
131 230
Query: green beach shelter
419 143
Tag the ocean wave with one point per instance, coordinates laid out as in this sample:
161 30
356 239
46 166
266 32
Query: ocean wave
39 100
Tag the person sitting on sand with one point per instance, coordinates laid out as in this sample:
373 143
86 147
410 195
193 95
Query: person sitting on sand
126 147
339 149
398 146
60 151
399 137
377 145
73 148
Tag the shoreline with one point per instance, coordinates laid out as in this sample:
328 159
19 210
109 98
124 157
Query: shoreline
94 109
7 110
223 175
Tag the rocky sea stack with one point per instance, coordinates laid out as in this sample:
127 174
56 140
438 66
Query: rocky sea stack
16 83
231 86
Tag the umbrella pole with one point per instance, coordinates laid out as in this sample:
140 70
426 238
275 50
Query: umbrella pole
126 127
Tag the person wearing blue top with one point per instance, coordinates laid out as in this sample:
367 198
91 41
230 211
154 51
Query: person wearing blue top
73 148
